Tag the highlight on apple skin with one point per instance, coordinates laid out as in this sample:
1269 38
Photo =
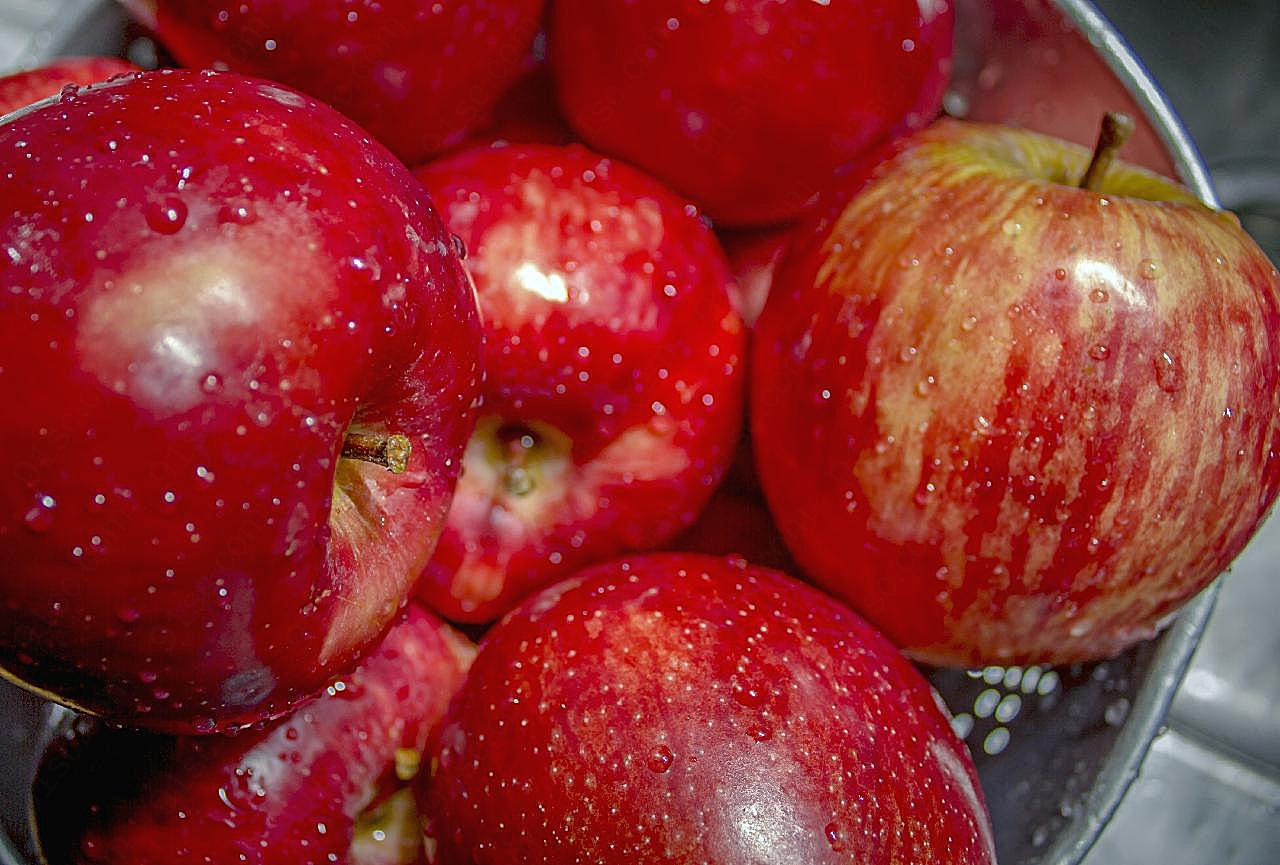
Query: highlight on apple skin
691 710
211 284
614 370
1011 420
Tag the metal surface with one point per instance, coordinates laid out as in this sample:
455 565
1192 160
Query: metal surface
1057 764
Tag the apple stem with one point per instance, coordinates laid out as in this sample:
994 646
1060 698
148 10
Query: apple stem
389 451
1115 131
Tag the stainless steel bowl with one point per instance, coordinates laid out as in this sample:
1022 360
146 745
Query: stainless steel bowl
1056 748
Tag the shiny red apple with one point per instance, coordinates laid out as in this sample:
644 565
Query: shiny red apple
19 89
418 75
211 289
613 396
748 107
1014 420
292 794
687 709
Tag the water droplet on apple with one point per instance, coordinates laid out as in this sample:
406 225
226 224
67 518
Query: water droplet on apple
1099 295
660 759
1011 228
147 677
759 732
835 836
205 725
969 323
1099 352
459 246
1168 372
1060 274
748 694
39 518
128 615
166 216
1148 269
237 214
211 383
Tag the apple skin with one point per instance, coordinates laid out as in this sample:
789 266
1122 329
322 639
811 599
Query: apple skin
610 337
753 258
676 708
20 89
748 107
291 793
207 281
1039 418
417 75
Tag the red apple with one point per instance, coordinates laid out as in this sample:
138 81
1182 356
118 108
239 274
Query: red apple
613 396
20 89
686 709
211 288
748 107
1010 419
291 794
417 75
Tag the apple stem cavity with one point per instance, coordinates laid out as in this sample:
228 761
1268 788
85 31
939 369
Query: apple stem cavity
519 442
1115 131
389 451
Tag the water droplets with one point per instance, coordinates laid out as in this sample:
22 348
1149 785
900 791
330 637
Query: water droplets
39 517
1169 375
237 214
166 216
1099 295
835 836
1099 352
211 383
660 759
1148 269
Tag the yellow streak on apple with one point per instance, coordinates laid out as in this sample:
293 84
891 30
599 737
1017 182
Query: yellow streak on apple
944 349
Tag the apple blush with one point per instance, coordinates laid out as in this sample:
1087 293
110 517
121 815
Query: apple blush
220 300
417 75
614 385
328 784
1037 417
677 708
748 107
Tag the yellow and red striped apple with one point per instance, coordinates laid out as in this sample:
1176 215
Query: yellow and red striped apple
1011 419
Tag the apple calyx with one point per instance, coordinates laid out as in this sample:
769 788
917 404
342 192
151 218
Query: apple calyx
389 451
388 832
1112 135
520 449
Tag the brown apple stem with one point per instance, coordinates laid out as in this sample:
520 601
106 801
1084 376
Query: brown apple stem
389 451
1115 131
